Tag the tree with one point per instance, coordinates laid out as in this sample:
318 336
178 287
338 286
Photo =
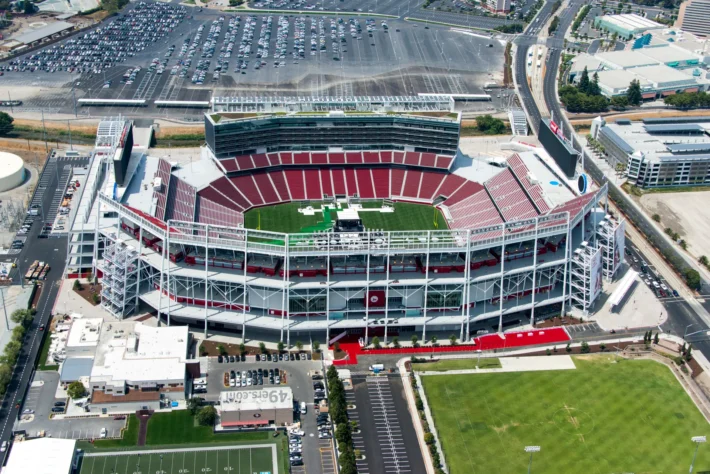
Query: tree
299 345
687 352
5 123
207 416
692 278
602 347
583 84
415 339
21 316
655 339
376 342
395 342
656 218
316 346
77 285
452 339
95 298
193 404
585 347
703 260
76 390
434 339
262 348
428 438
222 350
5 377
342 434
619 102
280 346
568 348
594 86
489 125
634 93
28 7
242 349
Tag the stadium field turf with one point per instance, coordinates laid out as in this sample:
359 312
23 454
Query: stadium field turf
234 460
286 218
608 416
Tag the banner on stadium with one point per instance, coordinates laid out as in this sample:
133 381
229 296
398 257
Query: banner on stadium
375 298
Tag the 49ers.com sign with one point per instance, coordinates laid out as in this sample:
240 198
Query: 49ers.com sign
375 298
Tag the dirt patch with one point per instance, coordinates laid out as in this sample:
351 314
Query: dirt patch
559 321
87 290
504 428
143 417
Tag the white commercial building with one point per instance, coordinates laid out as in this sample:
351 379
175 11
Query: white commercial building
265 406
134 356
694 16
41 456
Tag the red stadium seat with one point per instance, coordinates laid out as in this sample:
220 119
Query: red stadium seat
319 158
274 159
286 158
326 182
266 187
430 183
313 189
302 158
381 180
397 180
411 184
351 182
280 185
294 178
338 175
353 157
260 160
364 183
428 159
245 184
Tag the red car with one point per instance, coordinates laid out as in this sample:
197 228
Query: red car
41 328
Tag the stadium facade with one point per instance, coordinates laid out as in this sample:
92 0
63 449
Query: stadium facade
519 241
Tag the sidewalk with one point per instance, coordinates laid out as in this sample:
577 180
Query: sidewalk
517 364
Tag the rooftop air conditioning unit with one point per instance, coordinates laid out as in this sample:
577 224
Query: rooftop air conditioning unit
158 184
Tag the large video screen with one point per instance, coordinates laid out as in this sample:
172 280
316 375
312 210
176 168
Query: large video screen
563 154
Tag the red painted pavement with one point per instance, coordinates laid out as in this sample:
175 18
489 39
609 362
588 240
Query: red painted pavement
488 342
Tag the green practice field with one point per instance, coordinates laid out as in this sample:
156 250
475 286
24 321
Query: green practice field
607 416
234 460
286 218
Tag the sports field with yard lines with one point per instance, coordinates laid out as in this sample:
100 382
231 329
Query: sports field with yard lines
229 459
286 218
608 416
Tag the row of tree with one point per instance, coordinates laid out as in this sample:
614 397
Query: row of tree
586 95
510 28
553 25
338 409
490 125
580 17
23 318
688 100
428 435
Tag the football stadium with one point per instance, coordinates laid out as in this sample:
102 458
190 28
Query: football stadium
315 225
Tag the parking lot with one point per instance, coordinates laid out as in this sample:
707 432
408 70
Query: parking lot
317 453
201 53
386 437
37 408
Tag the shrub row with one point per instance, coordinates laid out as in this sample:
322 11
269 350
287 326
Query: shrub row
429 438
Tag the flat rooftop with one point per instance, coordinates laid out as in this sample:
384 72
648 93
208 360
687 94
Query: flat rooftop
133 351
625 59
620 79
267 398
44 32
631 21
667 146
84 332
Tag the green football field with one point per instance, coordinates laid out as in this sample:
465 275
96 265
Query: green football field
604 417
286 218
233 460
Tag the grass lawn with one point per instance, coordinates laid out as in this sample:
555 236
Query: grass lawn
286 218
604 417
129 439
44 353
457 364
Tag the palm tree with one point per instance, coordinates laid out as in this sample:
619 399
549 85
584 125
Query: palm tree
414 340
316 346
395 342
299 345
452 339
280 346
376 342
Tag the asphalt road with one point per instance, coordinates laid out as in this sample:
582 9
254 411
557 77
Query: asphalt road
52 251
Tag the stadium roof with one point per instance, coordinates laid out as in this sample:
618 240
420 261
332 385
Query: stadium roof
44 32
41 456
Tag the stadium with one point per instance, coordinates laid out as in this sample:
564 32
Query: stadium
323 224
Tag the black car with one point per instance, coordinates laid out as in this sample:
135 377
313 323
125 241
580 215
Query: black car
297 462
219 359
231 359
281 357
309 356
260 372
58 410
60 404
268 357
293 357
318 386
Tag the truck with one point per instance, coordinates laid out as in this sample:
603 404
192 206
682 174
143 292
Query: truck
377 368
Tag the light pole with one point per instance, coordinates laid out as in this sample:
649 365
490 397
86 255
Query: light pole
478 362
686 329
536 449
697 440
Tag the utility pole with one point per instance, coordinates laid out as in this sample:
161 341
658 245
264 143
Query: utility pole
7 323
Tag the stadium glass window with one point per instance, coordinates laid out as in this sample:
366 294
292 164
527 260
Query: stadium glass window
440 300
313 304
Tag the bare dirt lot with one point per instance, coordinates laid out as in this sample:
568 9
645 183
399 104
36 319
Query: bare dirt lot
685 213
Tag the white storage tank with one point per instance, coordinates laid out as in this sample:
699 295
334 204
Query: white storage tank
12 171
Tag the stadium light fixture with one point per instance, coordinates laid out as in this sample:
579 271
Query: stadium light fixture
531 450
698 440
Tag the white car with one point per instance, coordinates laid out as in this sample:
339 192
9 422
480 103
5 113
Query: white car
103 433
297 432
3 447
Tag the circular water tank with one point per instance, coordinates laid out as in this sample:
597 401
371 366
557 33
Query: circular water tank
12 171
